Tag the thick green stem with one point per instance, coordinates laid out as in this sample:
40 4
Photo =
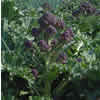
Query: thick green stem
47 89
47 82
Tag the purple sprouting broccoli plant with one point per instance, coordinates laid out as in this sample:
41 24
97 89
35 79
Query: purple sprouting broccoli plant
51 47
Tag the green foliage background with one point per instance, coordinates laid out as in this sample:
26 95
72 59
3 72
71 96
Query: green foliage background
18 18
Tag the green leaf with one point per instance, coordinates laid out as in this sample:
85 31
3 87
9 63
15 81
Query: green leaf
23 93
50 76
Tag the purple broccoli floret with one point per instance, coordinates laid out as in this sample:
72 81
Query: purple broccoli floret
28 43
43 23
47 19
35 73
76 12
35 32
67 35
86 7
79 60
53 43
43 45
46 6
62 58
60 23
51 30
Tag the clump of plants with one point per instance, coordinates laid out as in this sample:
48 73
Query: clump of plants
50 38
55 53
